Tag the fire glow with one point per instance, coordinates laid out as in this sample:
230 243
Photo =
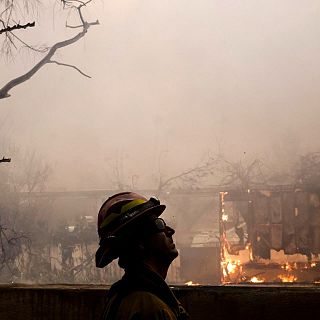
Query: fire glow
191 283
256 280
234 271
233 266
255 246
288 278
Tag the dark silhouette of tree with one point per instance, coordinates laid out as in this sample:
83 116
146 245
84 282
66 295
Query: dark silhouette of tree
190 178
24 229
242 174
7 18
17 26
5 160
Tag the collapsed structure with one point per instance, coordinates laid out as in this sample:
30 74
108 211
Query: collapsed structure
270 235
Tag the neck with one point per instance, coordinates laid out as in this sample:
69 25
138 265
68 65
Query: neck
160 269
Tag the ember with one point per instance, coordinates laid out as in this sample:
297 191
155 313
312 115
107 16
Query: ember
190 283
256 280
287 278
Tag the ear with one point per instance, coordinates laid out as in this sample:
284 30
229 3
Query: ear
142 250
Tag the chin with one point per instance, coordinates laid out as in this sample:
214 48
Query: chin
174 253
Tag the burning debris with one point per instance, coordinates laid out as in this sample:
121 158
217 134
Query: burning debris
191 283
270 236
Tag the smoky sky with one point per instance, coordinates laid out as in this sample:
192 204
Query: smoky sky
171 81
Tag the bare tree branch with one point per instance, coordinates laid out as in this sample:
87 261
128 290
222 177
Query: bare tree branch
17 26
192 176
73 27
4 91
27 45
5 159
70 66
243 175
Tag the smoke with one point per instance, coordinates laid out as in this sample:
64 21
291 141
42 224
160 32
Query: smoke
217 86
171 81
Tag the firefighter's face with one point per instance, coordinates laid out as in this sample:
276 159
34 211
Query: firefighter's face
161 244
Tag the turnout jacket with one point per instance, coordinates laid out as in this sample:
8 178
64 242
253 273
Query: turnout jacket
142 295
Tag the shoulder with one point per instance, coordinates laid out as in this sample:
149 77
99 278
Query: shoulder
144 305
144 299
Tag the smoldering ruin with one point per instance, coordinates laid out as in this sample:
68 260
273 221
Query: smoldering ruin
254 232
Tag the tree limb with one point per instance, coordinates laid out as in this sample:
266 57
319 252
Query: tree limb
4 91
43 50
70 66
193 174
5 159
17 26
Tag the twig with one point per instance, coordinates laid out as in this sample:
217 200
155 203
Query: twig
73 27
5 159
70 66
27 45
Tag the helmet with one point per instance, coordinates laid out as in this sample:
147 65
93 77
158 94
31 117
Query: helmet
118 216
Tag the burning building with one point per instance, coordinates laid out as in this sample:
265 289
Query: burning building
270 235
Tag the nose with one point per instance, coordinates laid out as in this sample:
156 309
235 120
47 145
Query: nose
169 231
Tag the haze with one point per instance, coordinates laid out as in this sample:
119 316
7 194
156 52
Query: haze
171 81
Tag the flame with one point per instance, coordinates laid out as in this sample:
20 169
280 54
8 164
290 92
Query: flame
256 280
190 283
290 266
230 266
287 278
286 267
224 217
224 273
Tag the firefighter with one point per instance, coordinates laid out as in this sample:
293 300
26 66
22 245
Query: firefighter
130 229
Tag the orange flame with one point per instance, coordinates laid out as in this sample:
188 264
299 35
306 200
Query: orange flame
287 278
231 266
256 280
190 283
